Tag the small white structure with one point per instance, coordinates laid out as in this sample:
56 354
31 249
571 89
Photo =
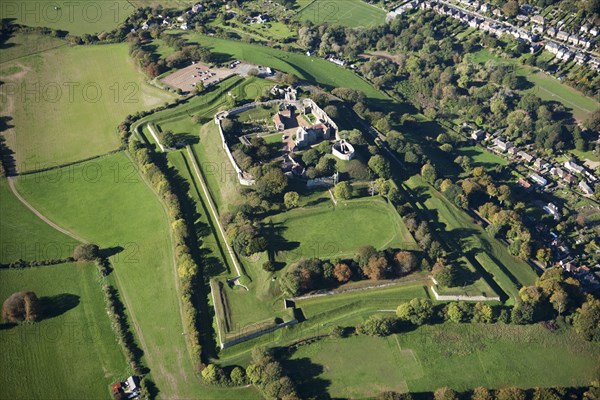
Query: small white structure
553 210
571 166
343 150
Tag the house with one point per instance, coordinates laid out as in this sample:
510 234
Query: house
540 164
551 32
534 48
523 18
513 150
477 135
183 26
594 31
337 61
595 64
540 180
538 19
485 7
574 39
310 53
553 210
584 28
562 35
552 47
585 188
197 8
524 184
581 58
571 166
502 145
525 157
497 13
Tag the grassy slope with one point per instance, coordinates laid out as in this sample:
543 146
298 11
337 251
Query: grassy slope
314 70
350 13
459 227
24 236
430 357
77 18
144 269
49 127
481 158
71 356
338 231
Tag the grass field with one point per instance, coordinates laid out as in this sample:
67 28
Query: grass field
311 69
508 272
143 269
545 86
461 356
24 236
68 102
77 18
73 355
326 231
23 45
481 158
351 13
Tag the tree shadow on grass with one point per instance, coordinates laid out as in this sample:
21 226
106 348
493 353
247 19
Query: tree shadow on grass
54 306
306 376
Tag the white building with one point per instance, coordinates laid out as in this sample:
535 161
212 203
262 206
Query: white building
540 180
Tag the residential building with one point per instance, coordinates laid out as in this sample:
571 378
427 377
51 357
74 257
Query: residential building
527 158
585 188
551 32
502 145
538 19
553 210
540 180
562 35
573 167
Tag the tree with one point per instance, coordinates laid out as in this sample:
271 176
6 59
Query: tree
544 256
168 139
445 394
483 313
587 319
343 190
381 166
238 376
376 267
481 393
212 374
511 393
269 266
363 254
458 312
545 394
406 262
272 183
86 252
290 199
428 173
311 157
377 326
445 275
417 311
342 273
21 306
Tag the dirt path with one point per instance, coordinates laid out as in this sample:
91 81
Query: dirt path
155 136
11 184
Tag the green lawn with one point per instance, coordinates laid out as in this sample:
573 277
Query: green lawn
481 158
118 209
458 229
77 18
461 356
71 101
26 44
327 231
73 355
351 13
312 69
24 236
545 86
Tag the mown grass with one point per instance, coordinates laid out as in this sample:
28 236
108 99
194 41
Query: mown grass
86 16
311 69
72 355
24 236
350 13
461 356
481 158
326 231
70 102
